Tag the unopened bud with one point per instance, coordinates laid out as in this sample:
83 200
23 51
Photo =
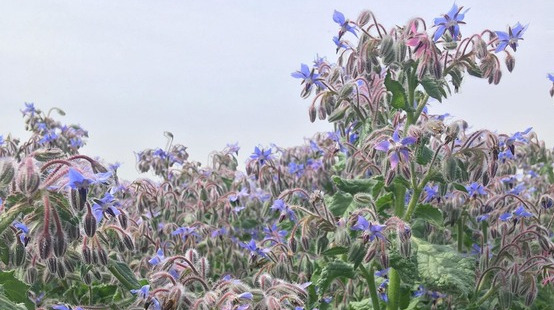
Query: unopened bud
362 198
59 243
7 171
531 295
515 279
497 76
123 220
313 113
87 255
31 275
102 256
44 245
19 254
387 49
94 257
128 242
77 198
86 278
28 179
52 264
90 224
44 155
292 244
363 18
510 62
61 269
504 298
69 265
384 259
546 201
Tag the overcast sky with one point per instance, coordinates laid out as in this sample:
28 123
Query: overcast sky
218 72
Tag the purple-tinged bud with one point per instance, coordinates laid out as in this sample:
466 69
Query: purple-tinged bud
531 295
123 220
87 255
94 257
293 244
173 300
44 155
406 171
328 102
77 198
86 278
102 256
305 241
387 49
52 264
73 232
31 275
389 177
545 244
128 242
28 179
7 171
44 243
510 62
363 18
337 114
322 243
59 243
480 47
494 232
89 224
552 90
69 265
61 269
497 76
371 251
321 112
485 180
19 254
312 112
384 259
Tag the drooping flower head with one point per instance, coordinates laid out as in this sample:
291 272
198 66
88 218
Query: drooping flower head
371 231
309 78
510 38
344 24
450 21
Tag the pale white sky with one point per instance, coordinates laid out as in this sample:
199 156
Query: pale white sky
217 72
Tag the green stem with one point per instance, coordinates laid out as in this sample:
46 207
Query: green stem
488 294
484 230
370 279
461 233
393 290
399 204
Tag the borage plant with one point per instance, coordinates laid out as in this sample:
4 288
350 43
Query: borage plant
396 208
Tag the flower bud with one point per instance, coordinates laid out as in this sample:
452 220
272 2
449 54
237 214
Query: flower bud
546 201
497 76
321 112
73 232
28 179
69 265
292 244
7 171
31 275
128 242
97 274
504 298
363 18
313 113
531 295
44 245
510 62
363 198
102 256
86 278
371 251
87 255
90 224
384 259
77 198
61 269
94 257
19 254
515 280
322 243
44 155
59 243
52 264
123 220
387 49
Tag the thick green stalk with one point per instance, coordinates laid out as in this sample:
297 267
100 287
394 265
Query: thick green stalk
399 202
393 290
484 230
412 204
370 279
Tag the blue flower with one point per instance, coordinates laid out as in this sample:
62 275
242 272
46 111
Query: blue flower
279 205
475 189
370 230
382 273
482 218
246 295
510 38
219 232
158 258
77 180
273 232
23 237
253 248
296 169
142 292
420 291
233 148
521 212
64 307
431 192
344 24
235 197
382 291
398 150
185 232
450 22
261 155
550 77
340 44
48 137
1 139
309 77
29 109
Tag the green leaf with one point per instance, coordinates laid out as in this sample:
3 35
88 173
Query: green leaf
4 252
356 253
399 98
14 289
406 267
430 214
364 304
441 268
6 303
424 155
338 250
124 274
338 203
459 187
433 88
331 271
384 200
354 186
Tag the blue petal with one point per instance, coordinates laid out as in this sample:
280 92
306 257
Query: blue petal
439 33
338 17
